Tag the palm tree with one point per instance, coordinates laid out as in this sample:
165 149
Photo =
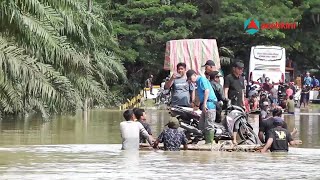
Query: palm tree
43 56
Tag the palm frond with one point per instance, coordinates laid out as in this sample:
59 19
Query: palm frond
40 34
88 87
108 64
10 99
41 80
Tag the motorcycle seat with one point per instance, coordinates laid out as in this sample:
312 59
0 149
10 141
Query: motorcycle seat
218 125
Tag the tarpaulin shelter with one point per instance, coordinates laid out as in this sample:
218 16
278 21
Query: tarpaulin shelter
193 52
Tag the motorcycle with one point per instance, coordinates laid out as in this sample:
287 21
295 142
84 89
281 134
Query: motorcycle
189 121
163 97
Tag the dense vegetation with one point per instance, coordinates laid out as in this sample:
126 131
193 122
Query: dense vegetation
143 27
54 57
57 54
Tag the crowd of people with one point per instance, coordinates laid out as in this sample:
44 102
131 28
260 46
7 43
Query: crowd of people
190 89
284 96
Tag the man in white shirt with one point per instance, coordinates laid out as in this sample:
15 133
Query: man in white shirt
130 131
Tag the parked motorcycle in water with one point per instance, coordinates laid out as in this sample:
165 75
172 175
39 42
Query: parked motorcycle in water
189 121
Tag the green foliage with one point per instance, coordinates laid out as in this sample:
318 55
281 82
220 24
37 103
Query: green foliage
142 28
53 55
223 20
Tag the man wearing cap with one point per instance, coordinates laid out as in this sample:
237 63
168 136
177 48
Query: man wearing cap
210 66
172 138
234 85
267 124
208 102
214 78
180 88
278 138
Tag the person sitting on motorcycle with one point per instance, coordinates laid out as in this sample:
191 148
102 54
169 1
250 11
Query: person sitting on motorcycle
181 89
172 138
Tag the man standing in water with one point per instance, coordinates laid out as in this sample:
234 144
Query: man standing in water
142 118
279 138
234 85
130 131
208 102
181 89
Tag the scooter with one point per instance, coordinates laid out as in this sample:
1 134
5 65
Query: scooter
163 97
189 121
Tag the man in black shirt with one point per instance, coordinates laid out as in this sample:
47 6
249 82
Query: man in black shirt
266 125
279 138
234 85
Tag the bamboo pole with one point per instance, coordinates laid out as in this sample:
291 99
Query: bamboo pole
213 147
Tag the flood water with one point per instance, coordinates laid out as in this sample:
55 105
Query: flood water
73 148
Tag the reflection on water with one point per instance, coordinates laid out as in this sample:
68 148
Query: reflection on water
108 162
102 127
72 148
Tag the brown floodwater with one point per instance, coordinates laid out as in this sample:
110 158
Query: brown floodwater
73 148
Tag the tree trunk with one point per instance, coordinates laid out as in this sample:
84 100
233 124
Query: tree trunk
86 101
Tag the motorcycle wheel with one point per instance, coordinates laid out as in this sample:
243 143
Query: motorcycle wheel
246 133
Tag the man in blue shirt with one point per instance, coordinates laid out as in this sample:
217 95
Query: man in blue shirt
315 82
307 79
208 102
